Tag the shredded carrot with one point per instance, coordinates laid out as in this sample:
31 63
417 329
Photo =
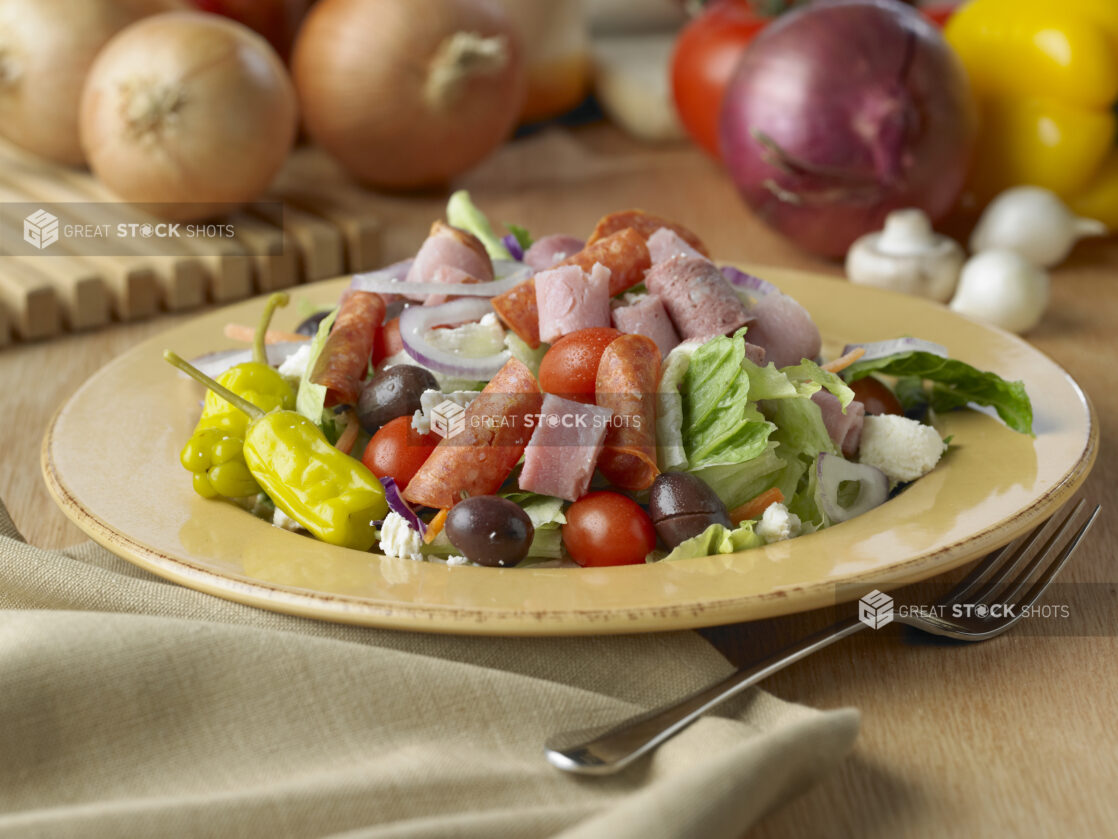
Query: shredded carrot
349 435
844 361
435 526
240 332
755 508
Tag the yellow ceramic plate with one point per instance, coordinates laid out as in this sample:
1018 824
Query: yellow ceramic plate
110 458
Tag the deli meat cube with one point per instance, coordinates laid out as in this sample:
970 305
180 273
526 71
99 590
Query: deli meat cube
666 244
647 316
569 299
564 448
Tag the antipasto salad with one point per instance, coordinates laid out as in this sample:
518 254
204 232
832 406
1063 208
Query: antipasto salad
615 400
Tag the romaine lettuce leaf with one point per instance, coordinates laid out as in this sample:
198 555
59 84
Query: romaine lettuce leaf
461 212
956 384
717 539
310 399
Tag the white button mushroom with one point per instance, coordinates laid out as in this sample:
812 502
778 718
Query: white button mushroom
1034 222
907 256
1003 288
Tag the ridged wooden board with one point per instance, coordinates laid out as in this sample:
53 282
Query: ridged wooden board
314 225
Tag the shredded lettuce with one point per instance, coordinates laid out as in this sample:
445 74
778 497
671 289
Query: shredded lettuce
546 513
716 539
461 212
310 400
955 384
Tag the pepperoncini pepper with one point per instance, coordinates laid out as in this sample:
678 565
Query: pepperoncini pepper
214 451
331 494
1045 74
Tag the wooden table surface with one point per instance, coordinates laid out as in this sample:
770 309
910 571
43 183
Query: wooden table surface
1011 737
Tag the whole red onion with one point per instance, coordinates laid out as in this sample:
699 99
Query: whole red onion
843 111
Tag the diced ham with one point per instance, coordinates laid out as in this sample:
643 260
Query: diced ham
550 250
569 299
785 329
700 301
449 255
647 316
844 429
666 244
564 448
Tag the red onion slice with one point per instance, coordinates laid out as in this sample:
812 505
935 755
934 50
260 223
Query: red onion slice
740 279
398 505
884 349
386 282
415 321
833 471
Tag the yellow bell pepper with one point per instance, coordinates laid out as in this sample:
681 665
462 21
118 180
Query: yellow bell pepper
1045 73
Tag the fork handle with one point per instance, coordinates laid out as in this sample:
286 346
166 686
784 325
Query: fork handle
608 749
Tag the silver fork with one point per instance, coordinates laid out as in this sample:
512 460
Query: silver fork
1032 561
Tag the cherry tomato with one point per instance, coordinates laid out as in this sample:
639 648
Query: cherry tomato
397 451
607 528
877 398
387 341
570 366
706 53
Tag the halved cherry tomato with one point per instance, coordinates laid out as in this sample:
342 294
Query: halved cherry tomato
397 451
940 13
607 528
570 366
876 396
706 53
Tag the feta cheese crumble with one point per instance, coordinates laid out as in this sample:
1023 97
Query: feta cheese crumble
902 448
295 365
777 524
429 399
399 540
282 520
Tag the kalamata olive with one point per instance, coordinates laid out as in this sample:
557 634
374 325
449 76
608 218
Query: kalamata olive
682 506
393 392
309 327
490 530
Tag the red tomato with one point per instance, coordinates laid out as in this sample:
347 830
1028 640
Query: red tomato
706 53
387 341
877 398
570 366
606 528
939 14
397 451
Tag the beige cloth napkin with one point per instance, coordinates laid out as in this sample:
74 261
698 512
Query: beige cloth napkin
133 707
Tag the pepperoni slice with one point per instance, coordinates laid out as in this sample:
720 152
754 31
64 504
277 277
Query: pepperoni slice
344 360
628 375
644 224
481 449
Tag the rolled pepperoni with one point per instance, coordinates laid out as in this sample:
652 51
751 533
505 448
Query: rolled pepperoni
481 449
700 301
344 359
624 253
628 375
644 224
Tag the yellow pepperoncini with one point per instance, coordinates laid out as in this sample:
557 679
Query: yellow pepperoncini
1045 73
331 494
214 452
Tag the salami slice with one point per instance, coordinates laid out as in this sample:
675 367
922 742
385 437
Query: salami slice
628 375
344 359
624 253
479 452
645 225
700 301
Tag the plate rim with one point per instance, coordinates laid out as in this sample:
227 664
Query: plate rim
478 620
